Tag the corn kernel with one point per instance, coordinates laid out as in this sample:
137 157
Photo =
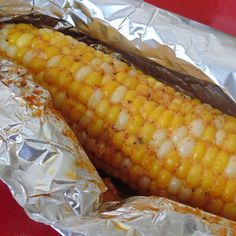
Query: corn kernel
142 89
74 89
76 112
75 67
84 94
177 121
37 65
134 124
102 108
156 113
66 62
130 82
109 88
87 57
217 187
137 154
229 191
147 132
129 96
198 198
95 127
230 126
59 99
210 156
209 133
93 79
207 116
207 179
20 54
128 145
199 150
183 169
14 37
153 190
113 113
230 143
51 52
229 211
189 118
148 107
118 139
194 176
163 179
138 103
154 169
117 160
220 162
121 76
172 160
24 40
135 173
67 106
215 206
165 119
53 90
186 108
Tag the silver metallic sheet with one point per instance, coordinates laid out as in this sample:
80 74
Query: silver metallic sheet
40 159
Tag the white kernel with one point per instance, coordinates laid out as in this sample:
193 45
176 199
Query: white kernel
118 94
132 73
105 79
28 57
185 193
122 120
83 72
86 118
158 138
197 127
126 165
185 146
230 170
144 182
96 62
12 51
219 122
179 134
220 136
174 185
164 149
54 61
107 68
95 98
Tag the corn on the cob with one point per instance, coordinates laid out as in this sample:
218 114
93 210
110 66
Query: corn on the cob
154 138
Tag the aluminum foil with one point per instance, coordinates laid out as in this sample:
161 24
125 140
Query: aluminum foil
40 160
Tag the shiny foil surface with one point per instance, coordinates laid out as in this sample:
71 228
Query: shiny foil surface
41 161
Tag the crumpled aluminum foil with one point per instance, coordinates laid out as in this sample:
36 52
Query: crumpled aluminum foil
51 188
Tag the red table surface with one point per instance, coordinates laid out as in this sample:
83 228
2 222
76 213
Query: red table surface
220 14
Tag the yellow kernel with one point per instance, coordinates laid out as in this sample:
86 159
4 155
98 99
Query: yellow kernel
53 91
207 179
142 89
47 36
66 62
52 74
199 150
189 118
59 99
154 190
134 124
121 76
20 54
74 89
198 198
117 160
156 113
210 156
230 126
117 139
37 43
61 41
77 111
113 113
135 173
67 106
209 133
215 206
218 187
177 121
63 80
128 145
229 191
230 143
95 127
138 103
165 119
37 65
84 94
172 160
163 179
24 40
130 82
220 162
194 176
75 67
109 88
148 108
154 169
14 37
137 154
147 132
94 78
207 116
87 57
102 108
51 52
183 169
229 211
186 108
129 96
39 78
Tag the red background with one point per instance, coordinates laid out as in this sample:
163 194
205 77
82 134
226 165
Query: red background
220 14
